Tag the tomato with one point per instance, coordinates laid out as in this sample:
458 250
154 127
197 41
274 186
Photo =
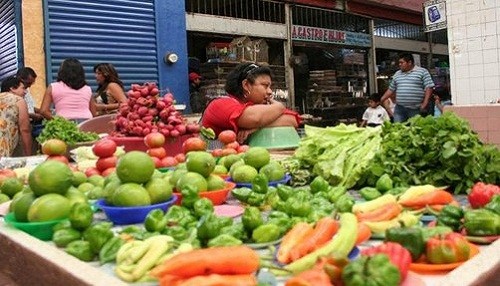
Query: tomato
217 152
104 148
54 147
108 171
158 152
233 145
169 161
6 173
89 172
60 158
106 163
180 157
228 151
242 148
154 139
227 136
157 161
194 144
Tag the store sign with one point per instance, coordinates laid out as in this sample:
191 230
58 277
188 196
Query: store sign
314 34
434 15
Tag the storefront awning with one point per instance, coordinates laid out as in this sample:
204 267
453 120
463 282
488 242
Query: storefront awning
409 11
331 4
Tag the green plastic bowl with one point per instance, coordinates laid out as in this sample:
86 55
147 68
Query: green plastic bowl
41 230
275 138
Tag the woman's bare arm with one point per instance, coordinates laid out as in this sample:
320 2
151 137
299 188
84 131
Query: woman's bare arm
260 115
25 127
46 102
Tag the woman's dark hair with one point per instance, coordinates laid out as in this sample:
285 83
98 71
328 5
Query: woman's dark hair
248 71
71 73
110 75
10 82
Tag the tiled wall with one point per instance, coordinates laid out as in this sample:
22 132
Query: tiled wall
484 119
474 49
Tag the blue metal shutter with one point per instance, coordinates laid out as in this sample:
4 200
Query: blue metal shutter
120 32
8 40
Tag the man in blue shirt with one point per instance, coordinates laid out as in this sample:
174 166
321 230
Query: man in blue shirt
412 86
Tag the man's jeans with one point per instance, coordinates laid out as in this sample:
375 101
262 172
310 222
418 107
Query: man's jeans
402 113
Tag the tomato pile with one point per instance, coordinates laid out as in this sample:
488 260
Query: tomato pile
146 111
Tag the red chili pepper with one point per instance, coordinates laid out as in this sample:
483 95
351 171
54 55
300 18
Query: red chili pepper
481 194
398 255
450 248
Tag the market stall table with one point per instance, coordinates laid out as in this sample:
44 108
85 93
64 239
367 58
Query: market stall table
29 261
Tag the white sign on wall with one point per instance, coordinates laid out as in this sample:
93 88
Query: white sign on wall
434 15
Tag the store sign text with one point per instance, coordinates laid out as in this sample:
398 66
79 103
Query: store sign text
314 34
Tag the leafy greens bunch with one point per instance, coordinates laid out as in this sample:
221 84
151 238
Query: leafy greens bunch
339 154
65 130
441 151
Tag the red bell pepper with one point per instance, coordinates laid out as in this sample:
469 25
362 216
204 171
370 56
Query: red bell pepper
449 248
398 255
481 194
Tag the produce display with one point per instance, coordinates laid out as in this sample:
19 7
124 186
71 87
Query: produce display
146 111
335 223
65 130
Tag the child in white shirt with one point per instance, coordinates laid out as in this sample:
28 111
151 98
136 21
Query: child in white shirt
375 114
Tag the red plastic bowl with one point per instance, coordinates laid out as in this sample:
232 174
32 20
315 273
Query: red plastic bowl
218 197
172 145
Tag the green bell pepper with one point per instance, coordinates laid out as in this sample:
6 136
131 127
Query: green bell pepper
298 205
428 232
284 191
81 250
155 221
376 270
396 191
319 184
175 214
251 219
451 216
369 193
241 194
177 232
224 240
61 225
235 230
384 183
81 216
410 238
110 249
210 225
271 197
97 235
189 196
202 207
256 199
334 193
63 237
494 204
266 233
260 184
344 203
481 222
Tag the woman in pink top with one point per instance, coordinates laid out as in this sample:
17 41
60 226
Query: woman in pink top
71 96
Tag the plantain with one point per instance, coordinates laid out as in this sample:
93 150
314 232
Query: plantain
158 245
122 253
416 191
340 245
374 204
